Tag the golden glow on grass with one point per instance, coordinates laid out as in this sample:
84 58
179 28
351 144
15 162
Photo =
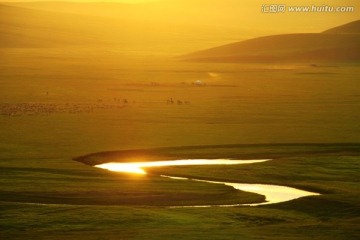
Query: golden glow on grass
137 167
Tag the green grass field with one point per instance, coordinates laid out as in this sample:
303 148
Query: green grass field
53 111
56 199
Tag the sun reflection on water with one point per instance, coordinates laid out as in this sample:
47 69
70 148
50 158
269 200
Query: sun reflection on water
137 167
125 167
272 193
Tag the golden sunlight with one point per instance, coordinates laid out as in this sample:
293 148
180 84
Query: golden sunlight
122 167
88 1
137 167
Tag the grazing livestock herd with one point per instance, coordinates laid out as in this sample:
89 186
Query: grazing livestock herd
34 109
45 108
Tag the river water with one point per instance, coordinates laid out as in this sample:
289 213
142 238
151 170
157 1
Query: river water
273 193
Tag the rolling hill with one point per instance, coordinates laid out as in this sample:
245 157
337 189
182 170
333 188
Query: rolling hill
21 27
56 26
155 27
349 28
244 15
149 28
337 44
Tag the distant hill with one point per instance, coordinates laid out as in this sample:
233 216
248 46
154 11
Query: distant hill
21 27
244 15
100 9
349 28
59 24
170 27
331 45
154 27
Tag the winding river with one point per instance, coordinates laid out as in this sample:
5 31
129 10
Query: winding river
273 193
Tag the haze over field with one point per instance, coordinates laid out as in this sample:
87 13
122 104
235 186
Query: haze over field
90 83
155 27
86 52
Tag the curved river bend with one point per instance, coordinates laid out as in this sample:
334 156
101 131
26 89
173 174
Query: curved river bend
273 193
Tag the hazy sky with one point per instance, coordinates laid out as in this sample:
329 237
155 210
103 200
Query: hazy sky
125 1
234 19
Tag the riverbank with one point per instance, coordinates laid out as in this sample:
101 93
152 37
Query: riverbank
333 215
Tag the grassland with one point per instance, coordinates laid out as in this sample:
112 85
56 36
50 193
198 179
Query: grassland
96 208
46 195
